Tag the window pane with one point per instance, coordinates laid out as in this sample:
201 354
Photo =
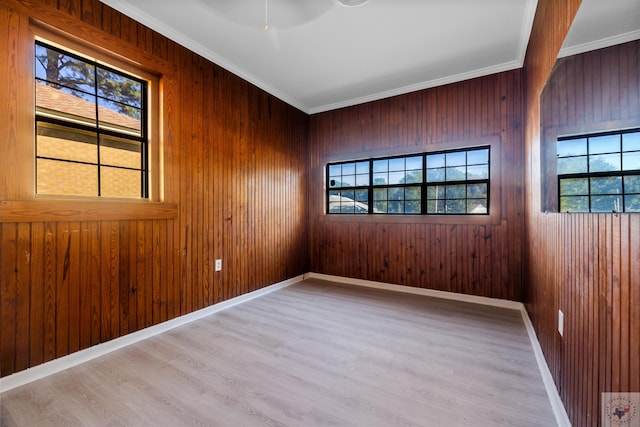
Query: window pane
412 193
65 178
604 144
574 204
380 178
64 70
64 104
362 196
456 174
414 163
572 147
632 184
435 206
335 171
606 204
455 206
477 191
380 165
414 177
396 164
606 185
116 87
456 191
572 165
120 182
456 159
362 180
476 157
476 206
64 143
396 177
412 207
348 169
119 117
362 168
120 152
631 141
379 194
396 193
604 163
380 206
631 161
436 192
632 203
577 186
394 207
435 175
478 172
348 181
435 161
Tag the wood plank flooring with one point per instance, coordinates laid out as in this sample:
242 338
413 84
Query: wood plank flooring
312 354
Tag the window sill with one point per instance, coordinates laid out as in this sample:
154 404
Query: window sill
41 210
414 219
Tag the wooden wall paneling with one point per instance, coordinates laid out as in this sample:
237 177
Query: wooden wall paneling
50 274
124 277
128 282
634 302
94 277
8 293
141 278
148 273
36 294
207 202
73 276
197 154
155 262
109 266
22 300
15 108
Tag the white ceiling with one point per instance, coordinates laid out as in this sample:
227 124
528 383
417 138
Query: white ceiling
319 55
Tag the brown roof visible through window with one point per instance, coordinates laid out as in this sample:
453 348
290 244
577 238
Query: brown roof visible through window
49 98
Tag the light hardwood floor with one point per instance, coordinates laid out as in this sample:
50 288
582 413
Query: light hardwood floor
312 354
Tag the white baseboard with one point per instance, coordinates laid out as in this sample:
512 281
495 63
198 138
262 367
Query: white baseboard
418 291
49 368
57 365
552 392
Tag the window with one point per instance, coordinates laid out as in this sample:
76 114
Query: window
91 127
454 182
599 172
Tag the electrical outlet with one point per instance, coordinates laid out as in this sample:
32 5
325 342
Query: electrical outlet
561 323
218 265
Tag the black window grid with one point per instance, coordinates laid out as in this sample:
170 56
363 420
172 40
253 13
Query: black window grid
589 195
97 128
423 185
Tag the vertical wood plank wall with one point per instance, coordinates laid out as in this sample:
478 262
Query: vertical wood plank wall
585 265
459 255
236 168
590 263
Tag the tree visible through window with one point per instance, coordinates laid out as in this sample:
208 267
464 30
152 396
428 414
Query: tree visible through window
451 182
91 127
599 172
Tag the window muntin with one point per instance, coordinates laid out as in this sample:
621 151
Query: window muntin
454 182
91 127
599 172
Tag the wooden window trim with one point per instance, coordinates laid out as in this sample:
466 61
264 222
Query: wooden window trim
22 204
